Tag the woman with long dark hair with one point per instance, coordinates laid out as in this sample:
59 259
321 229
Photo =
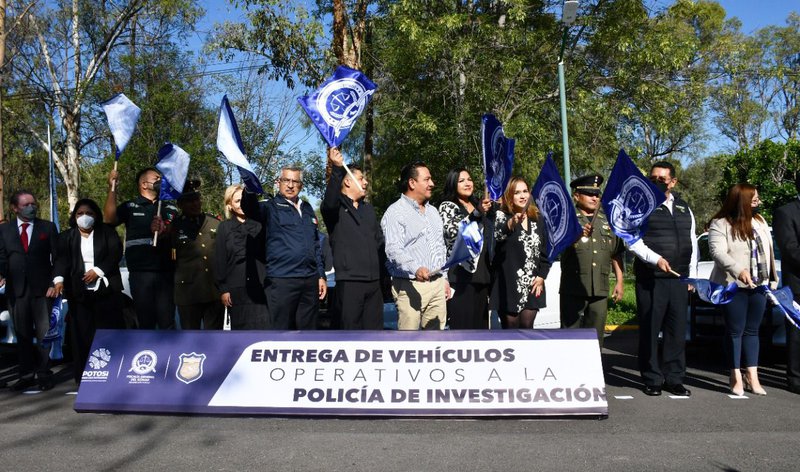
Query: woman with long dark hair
468 308
740 242
89 253
520 262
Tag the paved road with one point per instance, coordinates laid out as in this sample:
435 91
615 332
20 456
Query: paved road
708 431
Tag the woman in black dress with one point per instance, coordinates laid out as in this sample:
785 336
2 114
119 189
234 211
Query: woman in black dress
239 265
520 261
89 253
468 309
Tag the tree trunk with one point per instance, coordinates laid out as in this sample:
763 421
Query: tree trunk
71 169
2 75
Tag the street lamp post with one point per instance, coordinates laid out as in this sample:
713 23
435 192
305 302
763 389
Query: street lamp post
568 16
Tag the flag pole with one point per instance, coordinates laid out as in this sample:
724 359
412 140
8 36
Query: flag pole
50 167
158 213
116 161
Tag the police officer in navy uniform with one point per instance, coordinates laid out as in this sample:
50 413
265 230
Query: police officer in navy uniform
586 265
667 251
192 235
150 268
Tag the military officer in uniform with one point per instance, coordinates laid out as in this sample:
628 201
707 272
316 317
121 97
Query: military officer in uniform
586 265
192 235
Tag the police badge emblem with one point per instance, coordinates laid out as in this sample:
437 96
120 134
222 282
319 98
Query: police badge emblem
190 367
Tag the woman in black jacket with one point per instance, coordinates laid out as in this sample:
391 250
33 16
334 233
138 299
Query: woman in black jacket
88 258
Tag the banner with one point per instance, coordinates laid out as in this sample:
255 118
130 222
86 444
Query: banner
378 373
173 163
629 199
229 143
122 116
555 203
337 104
498 156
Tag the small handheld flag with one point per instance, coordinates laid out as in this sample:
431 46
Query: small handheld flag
783 298
337 104
173 163
712 292
122 116
555 203
468 244
498 156
629 199
229 143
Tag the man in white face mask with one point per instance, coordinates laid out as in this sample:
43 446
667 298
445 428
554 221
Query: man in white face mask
27 253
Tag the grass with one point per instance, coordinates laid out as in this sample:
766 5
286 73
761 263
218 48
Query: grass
624 311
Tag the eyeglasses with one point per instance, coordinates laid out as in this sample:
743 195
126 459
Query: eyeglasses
286 181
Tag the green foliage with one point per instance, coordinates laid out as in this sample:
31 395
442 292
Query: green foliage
623 311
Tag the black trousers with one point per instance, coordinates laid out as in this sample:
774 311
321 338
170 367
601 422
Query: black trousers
153 299
94 311
360 304
469 307
293 302
793 356
208 315
32 320
661 306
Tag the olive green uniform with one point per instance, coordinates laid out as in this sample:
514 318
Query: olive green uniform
585 270
196 293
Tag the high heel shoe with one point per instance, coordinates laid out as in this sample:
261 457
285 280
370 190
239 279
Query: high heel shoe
736 384
739 392
748 386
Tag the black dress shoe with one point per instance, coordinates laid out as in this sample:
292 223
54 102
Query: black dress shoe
46 384
678 390
22 384
652 390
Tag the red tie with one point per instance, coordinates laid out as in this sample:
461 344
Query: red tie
24 236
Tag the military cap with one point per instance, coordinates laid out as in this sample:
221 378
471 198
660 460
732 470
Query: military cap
191 188
588 184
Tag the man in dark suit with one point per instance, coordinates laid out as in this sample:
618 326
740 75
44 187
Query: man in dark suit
786 225
27 253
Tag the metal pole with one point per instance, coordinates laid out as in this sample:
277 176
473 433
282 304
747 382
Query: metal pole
563 98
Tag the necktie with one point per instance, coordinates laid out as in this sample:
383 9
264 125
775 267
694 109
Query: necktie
24 236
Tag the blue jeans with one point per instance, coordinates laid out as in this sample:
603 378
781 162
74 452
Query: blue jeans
743 317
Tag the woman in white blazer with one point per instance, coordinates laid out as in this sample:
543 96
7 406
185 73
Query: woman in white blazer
741 246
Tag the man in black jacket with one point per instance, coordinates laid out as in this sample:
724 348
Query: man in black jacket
27 252
357 244
786 225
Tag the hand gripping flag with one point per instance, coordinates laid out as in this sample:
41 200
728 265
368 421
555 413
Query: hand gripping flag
784 300
337 104
555 203
468 244
229 143
498 156
173 163
712 292
629 199
122 116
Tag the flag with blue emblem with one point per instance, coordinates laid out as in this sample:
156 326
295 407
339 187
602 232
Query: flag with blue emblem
337 104
783 298
229 143
498 156
173 163
468 244
122 116
712 292
629 199
555 203
56 318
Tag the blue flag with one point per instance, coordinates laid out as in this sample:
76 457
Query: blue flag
173 163
629 199
337 104
498 156
555 203
229 143
122 116
712 292
783 298
56 318
468 244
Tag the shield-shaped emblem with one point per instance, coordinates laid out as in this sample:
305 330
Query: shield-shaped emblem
191 367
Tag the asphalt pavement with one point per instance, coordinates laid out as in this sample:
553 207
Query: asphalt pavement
708 431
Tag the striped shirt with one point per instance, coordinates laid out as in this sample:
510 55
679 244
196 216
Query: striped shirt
414 238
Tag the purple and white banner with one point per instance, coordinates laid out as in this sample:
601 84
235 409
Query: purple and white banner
349 373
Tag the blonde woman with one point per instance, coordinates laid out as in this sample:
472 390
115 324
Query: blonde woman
239 265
